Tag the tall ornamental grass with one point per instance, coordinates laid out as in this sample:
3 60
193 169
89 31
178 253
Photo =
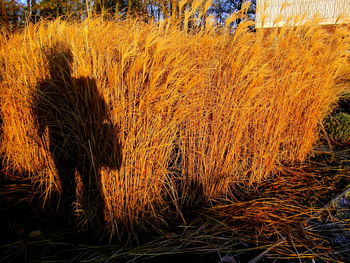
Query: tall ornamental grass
155 117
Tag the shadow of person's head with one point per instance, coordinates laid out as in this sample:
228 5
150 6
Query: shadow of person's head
60 58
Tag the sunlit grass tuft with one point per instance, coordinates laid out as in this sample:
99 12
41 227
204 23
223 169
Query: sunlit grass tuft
195 114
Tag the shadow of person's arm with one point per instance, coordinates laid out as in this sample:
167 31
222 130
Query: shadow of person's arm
113 147
38 108
104 131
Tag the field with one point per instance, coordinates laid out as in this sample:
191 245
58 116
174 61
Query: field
127 129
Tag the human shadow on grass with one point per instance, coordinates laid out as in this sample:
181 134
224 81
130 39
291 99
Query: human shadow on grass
75 118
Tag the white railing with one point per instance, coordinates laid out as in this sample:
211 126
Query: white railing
275 13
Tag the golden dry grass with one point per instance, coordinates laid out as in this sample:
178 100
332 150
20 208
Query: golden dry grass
194 114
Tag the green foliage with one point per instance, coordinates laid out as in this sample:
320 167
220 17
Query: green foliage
338 128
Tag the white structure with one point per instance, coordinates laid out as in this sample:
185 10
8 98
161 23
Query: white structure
275 13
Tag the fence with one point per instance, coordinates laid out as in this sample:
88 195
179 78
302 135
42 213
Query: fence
275 13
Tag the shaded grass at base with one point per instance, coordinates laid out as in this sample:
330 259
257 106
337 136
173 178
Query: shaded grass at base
267 217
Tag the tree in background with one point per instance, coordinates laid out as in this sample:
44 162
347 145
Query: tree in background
13 13
109 6
221 9
10 13
59 8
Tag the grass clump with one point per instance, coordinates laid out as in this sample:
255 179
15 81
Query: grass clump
131 122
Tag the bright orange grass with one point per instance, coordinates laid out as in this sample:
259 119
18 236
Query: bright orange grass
196 113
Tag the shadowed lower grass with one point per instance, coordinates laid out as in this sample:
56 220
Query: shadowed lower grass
282 219
194 114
